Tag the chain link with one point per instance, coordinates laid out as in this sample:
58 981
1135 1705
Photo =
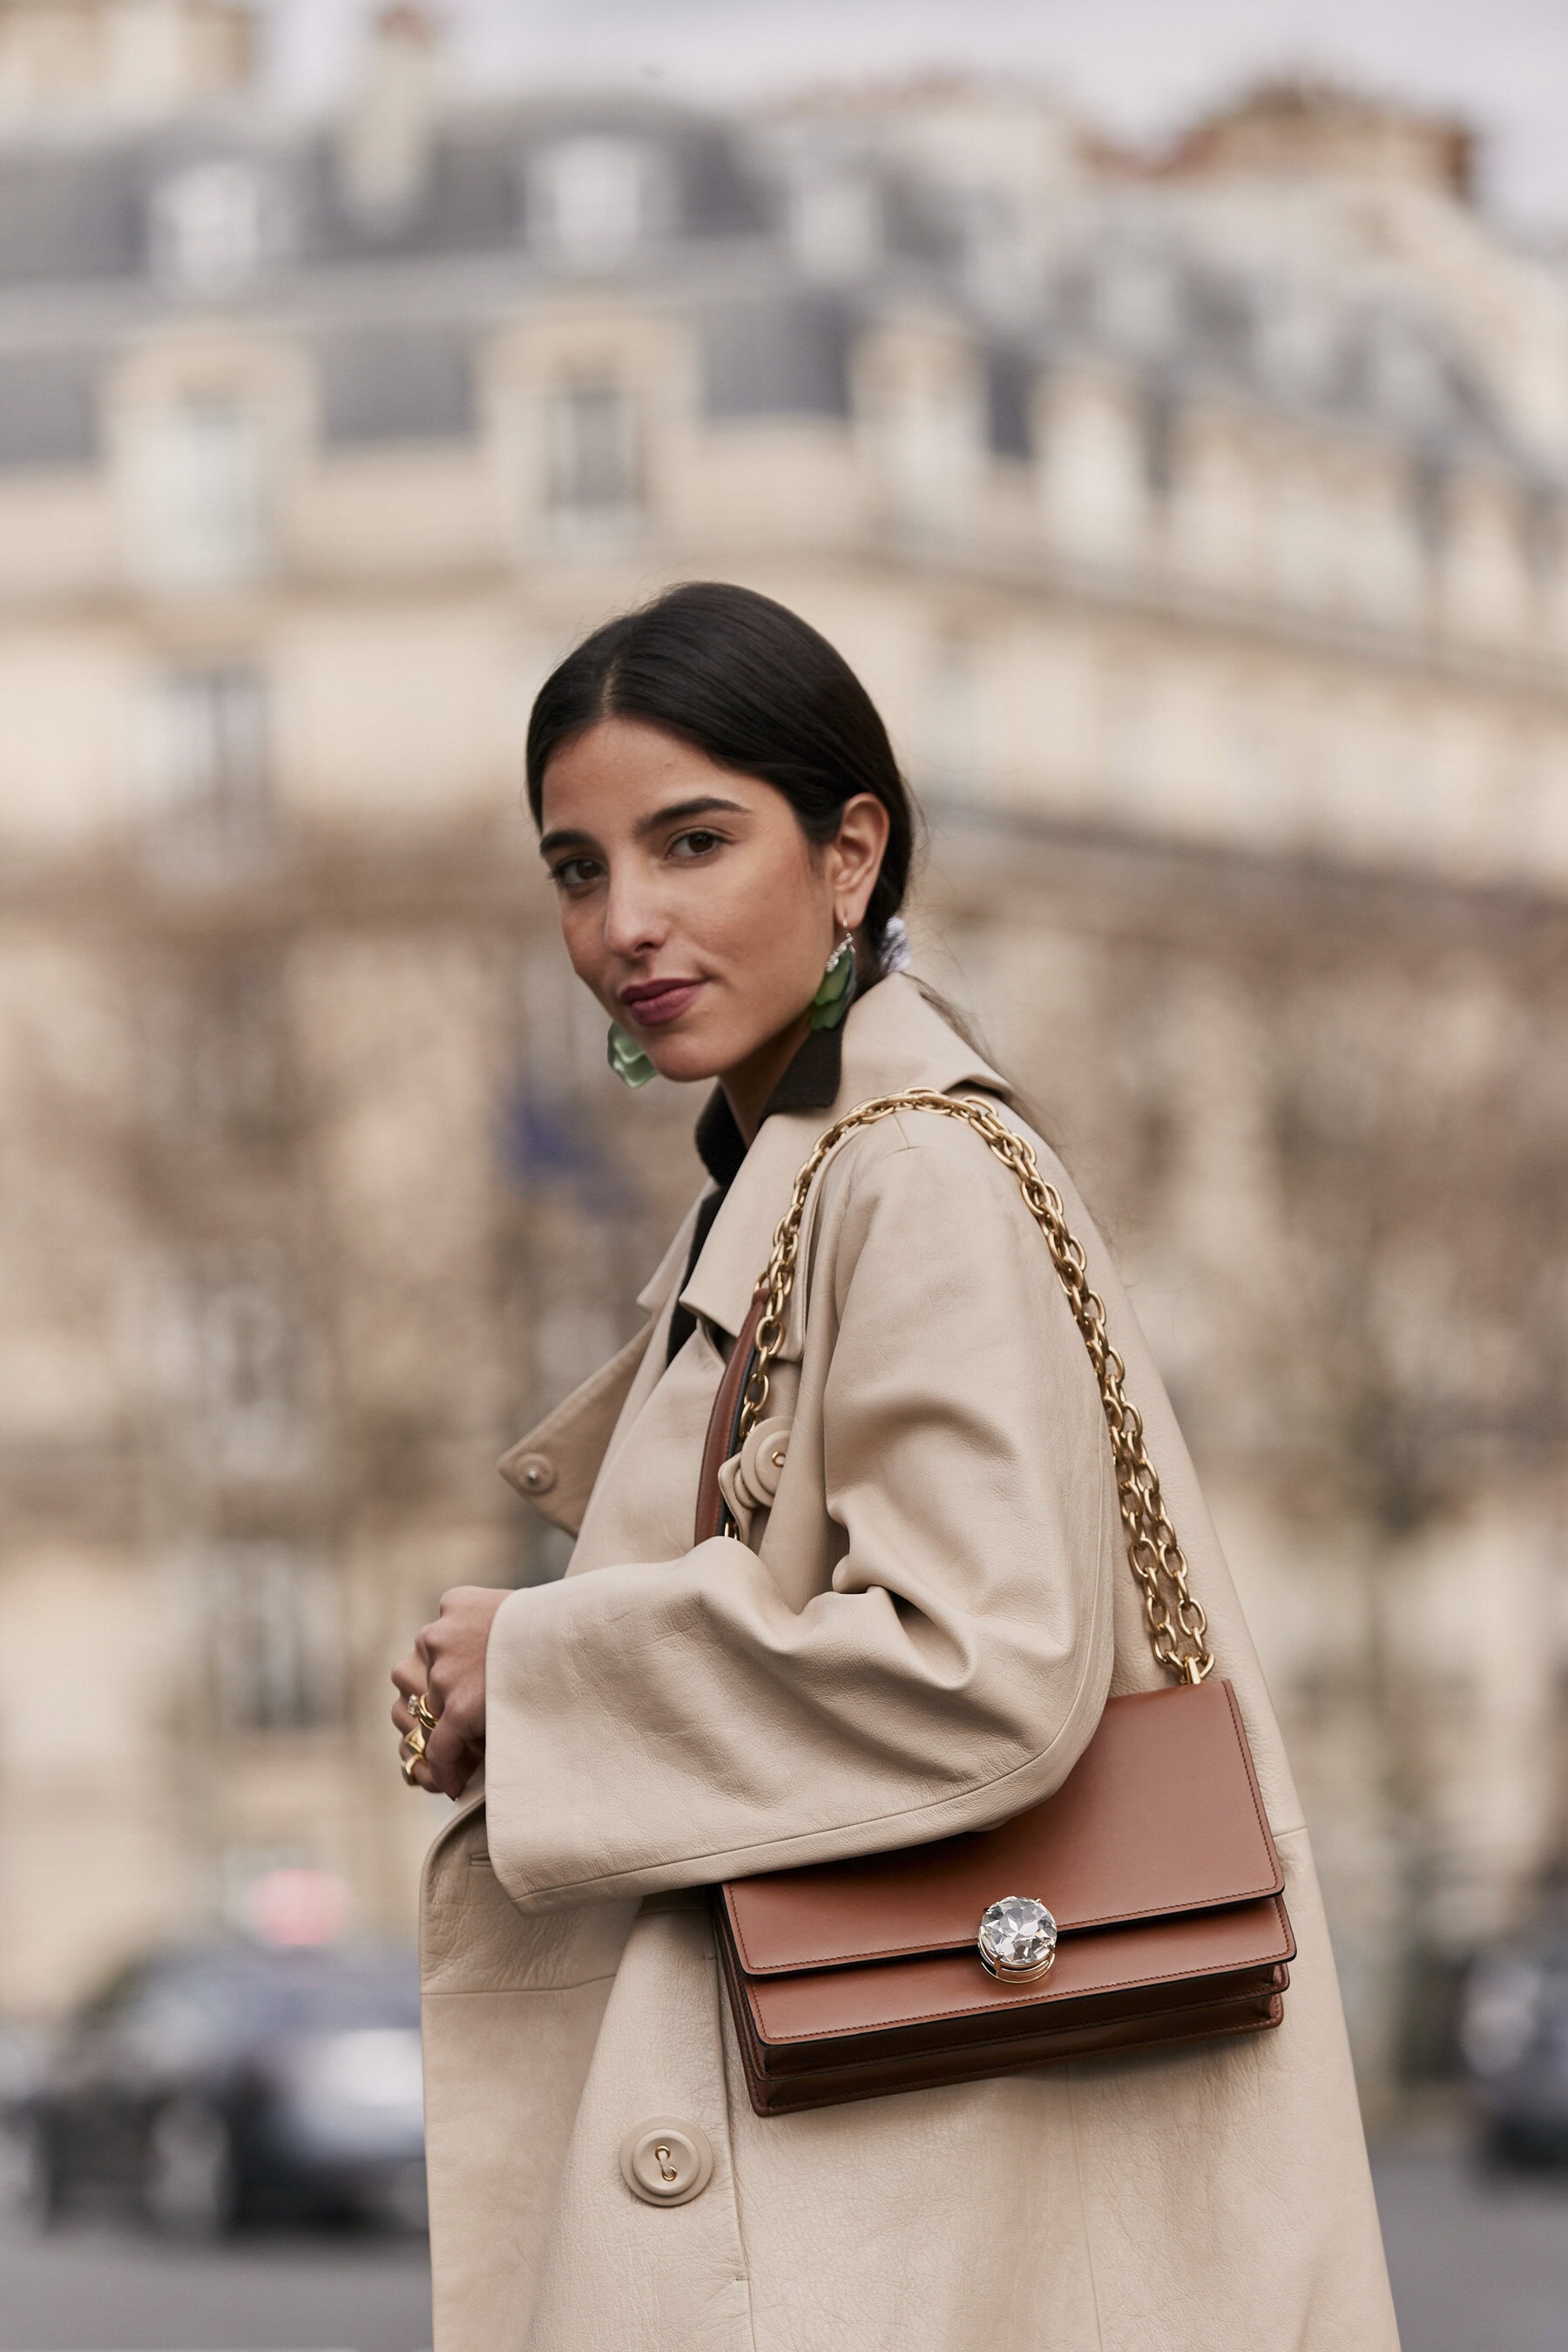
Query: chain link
1177 1626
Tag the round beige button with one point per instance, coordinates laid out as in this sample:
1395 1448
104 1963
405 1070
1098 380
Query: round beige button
763 1459
666 2162
536 1472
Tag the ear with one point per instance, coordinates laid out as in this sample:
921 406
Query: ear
854 856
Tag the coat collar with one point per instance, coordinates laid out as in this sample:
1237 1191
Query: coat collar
666 1274
892 1039
810 1082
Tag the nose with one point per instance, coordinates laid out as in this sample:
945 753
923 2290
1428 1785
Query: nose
634 923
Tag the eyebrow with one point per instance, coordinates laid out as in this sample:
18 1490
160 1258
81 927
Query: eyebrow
707 804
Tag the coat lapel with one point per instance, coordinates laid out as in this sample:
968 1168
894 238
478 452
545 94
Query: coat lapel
892 1040
555 1467
555 1464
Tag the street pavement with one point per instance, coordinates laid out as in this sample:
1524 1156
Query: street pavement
1476 2268
1478 2265
93 2289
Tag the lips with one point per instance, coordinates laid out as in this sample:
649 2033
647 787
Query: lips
656 1003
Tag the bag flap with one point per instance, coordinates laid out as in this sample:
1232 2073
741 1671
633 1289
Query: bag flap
1161 1815
1176 1961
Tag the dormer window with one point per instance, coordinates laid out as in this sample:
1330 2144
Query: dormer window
834 225
926 406
1406 378
213 227
592 202
1137 303
1296 338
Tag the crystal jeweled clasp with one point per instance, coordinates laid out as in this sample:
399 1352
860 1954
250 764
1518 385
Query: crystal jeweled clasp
1017 1940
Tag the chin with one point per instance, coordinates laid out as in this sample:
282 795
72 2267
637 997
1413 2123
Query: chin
704 1051
684 1061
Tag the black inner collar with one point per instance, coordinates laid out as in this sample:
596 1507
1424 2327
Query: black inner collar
810 1082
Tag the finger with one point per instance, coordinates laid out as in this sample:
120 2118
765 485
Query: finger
402 1717
458 1704
447 1751
464 1769
455 1762
448 1673
446 1783
440 1778
408 1674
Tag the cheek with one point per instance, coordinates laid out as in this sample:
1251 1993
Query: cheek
778 903
585 942
770 930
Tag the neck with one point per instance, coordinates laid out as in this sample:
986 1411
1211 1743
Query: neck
748 1086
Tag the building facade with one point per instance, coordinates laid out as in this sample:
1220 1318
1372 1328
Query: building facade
1199 526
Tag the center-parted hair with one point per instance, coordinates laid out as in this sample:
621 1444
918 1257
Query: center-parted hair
755 689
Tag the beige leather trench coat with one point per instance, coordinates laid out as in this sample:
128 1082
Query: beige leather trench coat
917 1638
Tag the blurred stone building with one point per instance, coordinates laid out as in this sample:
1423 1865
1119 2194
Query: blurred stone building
1201 529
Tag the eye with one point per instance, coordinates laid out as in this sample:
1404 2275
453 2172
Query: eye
699 840
575 873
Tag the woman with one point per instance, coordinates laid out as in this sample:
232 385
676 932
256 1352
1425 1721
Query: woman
915 1637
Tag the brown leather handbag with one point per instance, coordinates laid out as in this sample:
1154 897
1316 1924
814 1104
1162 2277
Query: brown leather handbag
1137 1908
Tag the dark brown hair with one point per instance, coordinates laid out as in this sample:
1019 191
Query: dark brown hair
755 689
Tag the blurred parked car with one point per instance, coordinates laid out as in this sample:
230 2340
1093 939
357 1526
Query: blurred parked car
1515 2032
218 2084
22 2063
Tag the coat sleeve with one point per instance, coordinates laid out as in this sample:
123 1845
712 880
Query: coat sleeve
663 1723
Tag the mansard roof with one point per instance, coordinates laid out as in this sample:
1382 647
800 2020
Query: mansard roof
1190 314
77 211
1147 279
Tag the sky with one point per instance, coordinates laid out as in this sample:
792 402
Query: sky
1140 68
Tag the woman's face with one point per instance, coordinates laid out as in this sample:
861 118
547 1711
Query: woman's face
691 902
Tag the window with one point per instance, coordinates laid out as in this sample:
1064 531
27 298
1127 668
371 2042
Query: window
217 1070
1408 380
247 1368
934 445
834 225
591 454
1094 477
213 227
199 518
592 202
208 764
1297 341
274 1617
1137 302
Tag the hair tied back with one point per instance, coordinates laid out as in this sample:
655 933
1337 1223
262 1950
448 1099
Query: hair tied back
895 954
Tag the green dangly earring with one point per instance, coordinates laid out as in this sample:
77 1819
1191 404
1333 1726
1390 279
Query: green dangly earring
627 1058
836 989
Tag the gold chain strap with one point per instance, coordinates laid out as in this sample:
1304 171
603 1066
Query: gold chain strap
1177 1626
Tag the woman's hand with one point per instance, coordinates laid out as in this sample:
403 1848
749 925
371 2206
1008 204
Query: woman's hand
447 1665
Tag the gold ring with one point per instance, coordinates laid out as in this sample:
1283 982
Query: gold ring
419 1707
413 1740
